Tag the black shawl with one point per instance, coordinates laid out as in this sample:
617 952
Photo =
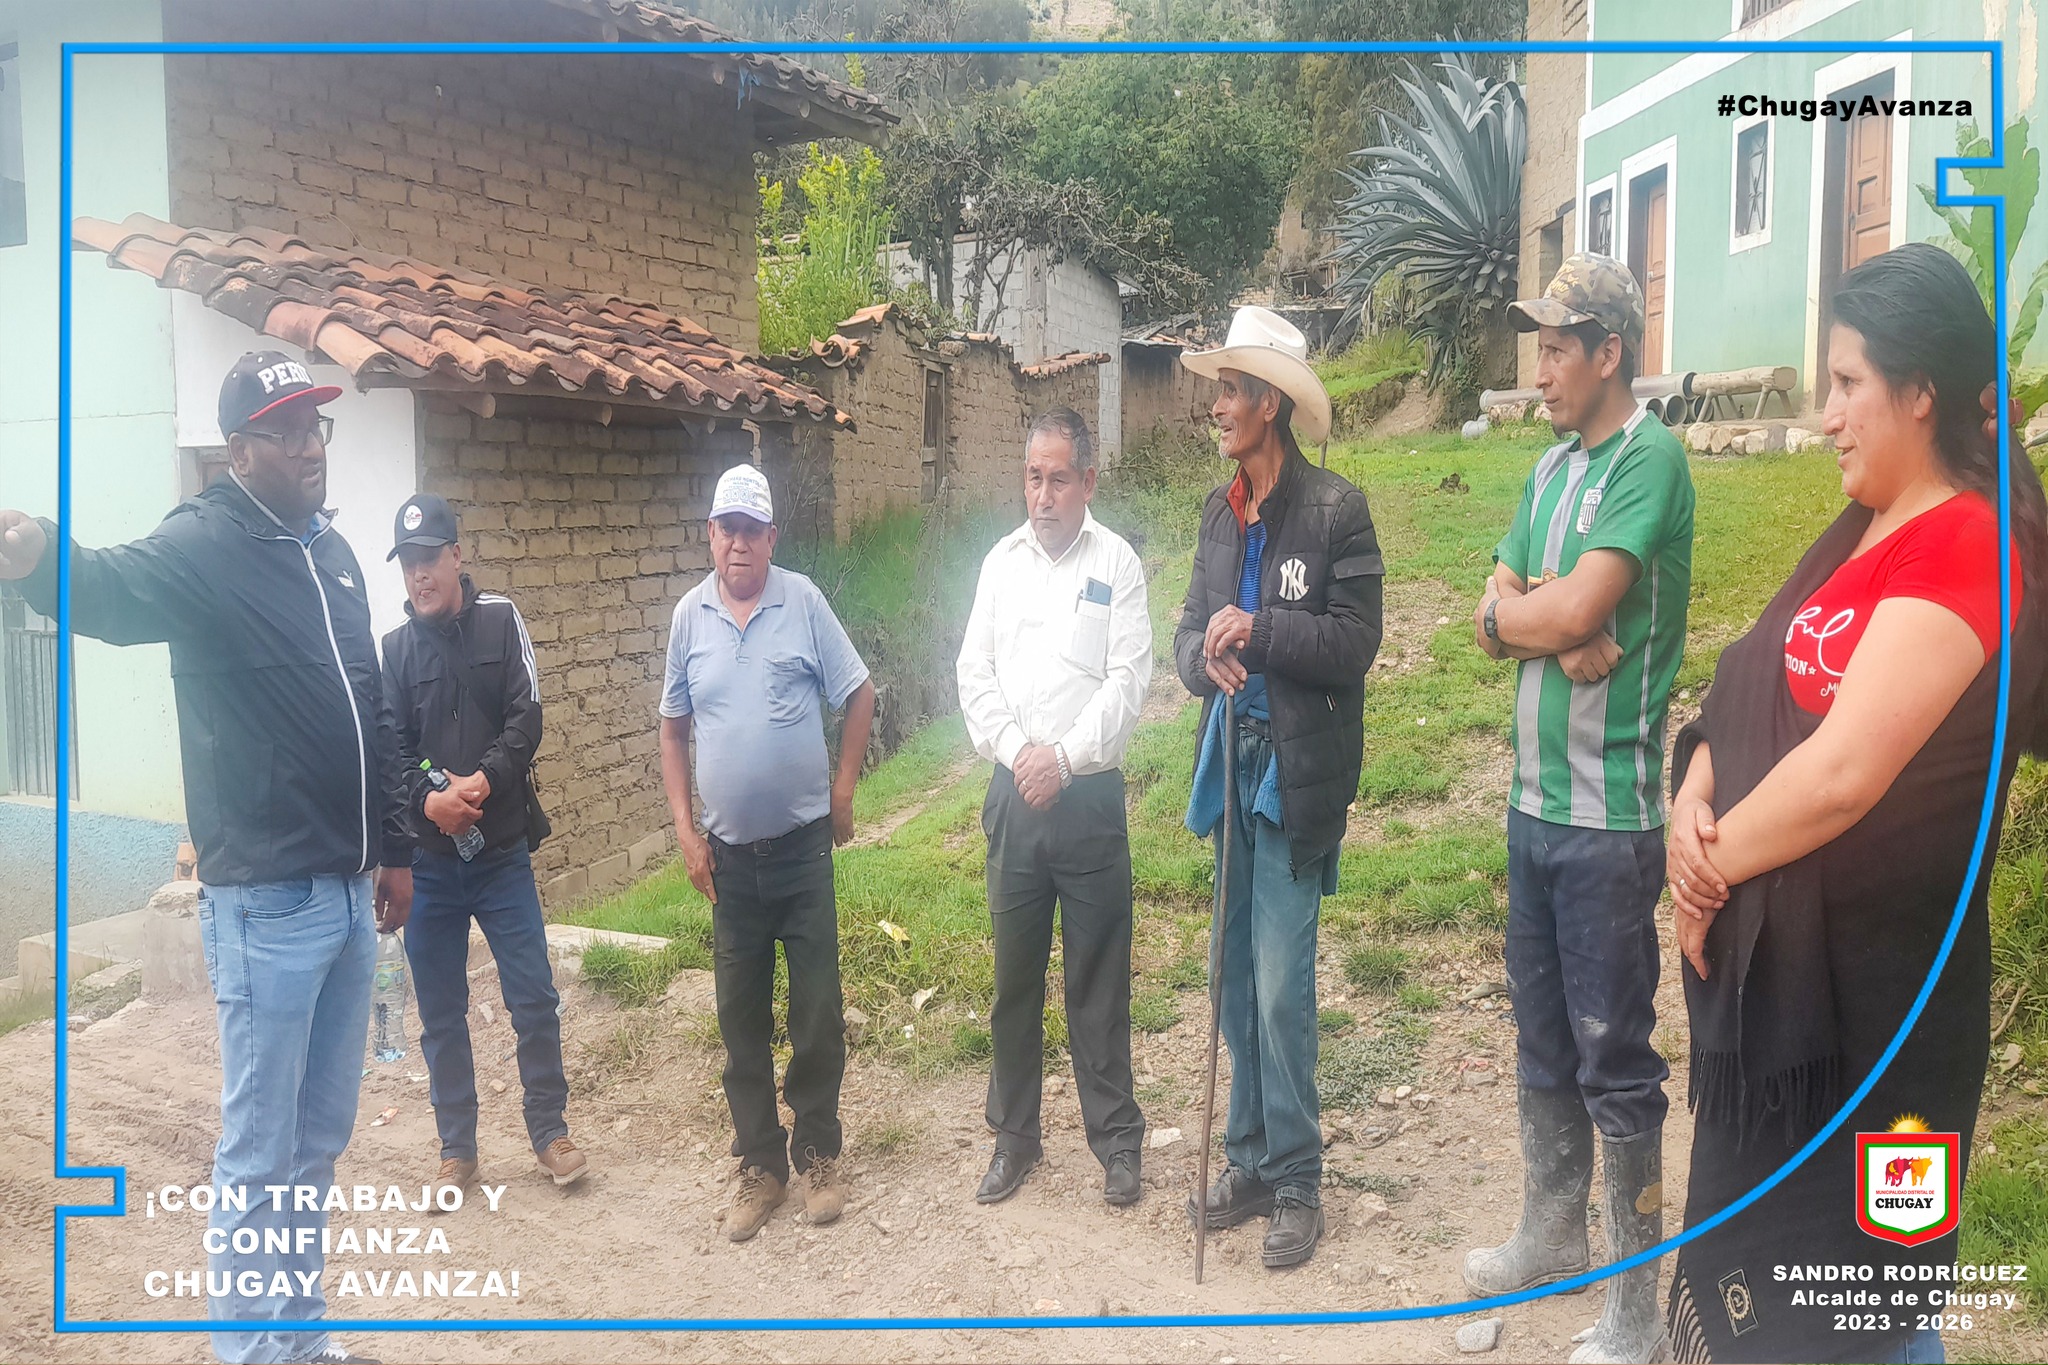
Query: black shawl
1764 1042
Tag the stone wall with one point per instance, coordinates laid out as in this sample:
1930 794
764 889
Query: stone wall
1161 394
595 532
600 174
1554 87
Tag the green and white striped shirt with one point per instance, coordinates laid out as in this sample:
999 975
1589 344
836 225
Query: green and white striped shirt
1592 754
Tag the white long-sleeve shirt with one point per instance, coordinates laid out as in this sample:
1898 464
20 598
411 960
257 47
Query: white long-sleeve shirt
1058 651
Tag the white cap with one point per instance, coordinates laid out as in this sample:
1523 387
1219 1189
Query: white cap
743 489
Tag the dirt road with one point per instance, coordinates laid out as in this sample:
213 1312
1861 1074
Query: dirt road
640 1238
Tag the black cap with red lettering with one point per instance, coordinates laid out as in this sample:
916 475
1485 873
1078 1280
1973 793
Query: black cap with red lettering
265 380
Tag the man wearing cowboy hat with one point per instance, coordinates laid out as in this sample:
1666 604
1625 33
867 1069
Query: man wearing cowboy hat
1283 614
1589 592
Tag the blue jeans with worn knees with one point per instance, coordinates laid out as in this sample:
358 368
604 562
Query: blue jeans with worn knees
1582 966
496 890
1268 1012
291 965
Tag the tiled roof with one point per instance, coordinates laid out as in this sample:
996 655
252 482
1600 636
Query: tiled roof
399 322
1061 364
851 340
667 22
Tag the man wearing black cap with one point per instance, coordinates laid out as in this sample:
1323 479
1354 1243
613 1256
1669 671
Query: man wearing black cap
465 694
292 798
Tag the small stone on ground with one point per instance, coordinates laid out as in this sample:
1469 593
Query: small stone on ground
1482 1335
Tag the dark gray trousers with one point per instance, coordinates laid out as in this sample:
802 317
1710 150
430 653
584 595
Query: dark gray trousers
1078 855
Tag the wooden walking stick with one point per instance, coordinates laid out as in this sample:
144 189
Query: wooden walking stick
1226 835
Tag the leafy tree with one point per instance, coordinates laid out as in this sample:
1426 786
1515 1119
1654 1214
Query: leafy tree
1174 137
1435 216
1334 93
831 270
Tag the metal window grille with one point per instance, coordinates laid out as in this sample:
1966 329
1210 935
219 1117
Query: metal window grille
28 692
1752 157
1600 224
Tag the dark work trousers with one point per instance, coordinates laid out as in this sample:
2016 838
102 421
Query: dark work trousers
497 891
779 890
1078 855
1582 966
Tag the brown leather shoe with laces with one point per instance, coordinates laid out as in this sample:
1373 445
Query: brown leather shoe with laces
456 1171
760 1194
824 1190
561 1160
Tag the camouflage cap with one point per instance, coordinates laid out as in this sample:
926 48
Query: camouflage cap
1587 288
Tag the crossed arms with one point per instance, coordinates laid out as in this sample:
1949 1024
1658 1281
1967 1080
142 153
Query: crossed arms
1566 617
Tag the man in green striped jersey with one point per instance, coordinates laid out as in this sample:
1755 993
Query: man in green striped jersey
1589 593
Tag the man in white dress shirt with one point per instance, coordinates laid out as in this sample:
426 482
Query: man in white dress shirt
1052 674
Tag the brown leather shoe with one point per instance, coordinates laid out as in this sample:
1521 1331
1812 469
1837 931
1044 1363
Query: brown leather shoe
760 1194
561 1160
457 1171
824 1190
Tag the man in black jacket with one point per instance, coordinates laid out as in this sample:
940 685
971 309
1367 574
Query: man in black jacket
291 796
1283 614
465 692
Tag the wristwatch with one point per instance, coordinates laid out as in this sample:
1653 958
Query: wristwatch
1059 756
1492 626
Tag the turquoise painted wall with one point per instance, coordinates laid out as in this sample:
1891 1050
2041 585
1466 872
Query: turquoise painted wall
124 467
1750 308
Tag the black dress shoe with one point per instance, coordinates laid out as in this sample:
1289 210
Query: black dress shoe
1234 1197
1006 1171
1120 1183
1292 1236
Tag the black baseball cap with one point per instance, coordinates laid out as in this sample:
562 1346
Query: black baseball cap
425 519
262 381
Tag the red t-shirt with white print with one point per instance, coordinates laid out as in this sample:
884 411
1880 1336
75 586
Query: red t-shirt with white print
1947 555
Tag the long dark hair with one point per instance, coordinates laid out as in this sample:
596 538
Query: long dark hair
1923 322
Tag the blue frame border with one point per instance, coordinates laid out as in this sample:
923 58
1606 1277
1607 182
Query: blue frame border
119 1174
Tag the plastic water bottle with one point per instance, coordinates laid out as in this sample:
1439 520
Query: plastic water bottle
387 1000
470 842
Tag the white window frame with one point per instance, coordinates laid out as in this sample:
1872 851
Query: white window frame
1604 185
1663 154
1739 241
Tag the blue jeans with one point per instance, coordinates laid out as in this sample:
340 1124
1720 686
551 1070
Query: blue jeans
291 964
1582 966
1268 1012
497 891
1924 1347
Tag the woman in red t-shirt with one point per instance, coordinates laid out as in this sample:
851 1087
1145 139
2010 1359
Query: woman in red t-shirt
1824 818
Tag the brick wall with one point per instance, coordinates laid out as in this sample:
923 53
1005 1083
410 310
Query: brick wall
1161 393
595 532
602 174
1554 87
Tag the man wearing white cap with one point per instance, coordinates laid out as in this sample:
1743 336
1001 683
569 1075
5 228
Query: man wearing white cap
751 651
1283 613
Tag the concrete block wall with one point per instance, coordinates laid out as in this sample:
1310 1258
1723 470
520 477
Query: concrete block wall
602 175
595 532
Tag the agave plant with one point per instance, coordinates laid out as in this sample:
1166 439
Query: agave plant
1436 209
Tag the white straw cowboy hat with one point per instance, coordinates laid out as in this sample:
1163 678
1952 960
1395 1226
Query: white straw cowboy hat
1265 345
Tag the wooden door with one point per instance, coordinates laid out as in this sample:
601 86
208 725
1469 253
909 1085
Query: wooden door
1867 187
1648 262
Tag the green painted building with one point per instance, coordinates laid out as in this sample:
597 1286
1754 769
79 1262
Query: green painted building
1739 222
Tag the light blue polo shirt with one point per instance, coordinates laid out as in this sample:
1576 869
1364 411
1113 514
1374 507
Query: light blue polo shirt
752 696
